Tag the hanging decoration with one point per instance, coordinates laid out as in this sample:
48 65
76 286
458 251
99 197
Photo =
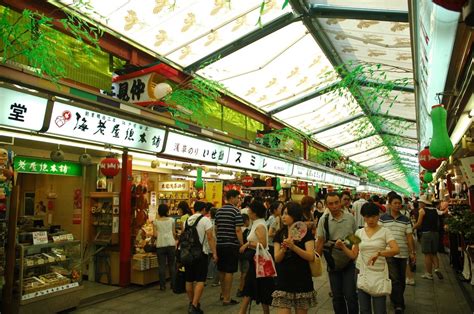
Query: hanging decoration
441 146
302 185
316 189
428 177
199 184
339 190
278 185
425 185
452 5
85 159
427 161
247 181
110 166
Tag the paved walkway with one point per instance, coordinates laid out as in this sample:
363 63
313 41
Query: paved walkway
437 296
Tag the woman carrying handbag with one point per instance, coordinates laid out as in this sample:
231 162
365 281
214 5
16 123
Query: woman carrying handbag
258 285
377 242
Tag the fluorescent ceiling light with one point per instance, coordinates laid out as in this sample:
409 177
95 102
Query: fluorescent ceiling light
366 4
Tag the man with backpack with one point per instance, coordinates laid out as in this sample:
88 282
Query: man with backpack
229 239
196 243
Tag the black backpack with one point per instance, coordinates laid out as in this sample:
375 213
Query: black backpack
190 248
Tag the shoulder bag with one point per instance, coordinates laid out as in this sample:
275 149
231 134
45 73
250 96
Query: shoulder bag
374 282
336 259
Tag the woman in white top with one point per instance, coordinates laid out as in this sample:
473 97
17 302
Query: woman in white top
165 234
258 289
376 243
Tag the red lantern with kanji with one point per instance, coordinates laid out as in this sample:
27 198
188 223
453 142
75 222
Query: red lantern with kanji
247 181
110 167
427 161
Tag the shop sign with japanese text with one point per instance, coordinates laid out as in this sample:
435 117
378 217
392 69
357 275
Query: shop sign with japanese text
277 166
135 90
173 186
192 148
45 166
21 110
89 125
329 178
244 159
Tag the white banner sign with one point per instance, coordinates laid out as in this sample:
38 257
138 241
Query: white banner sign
21 110
136 90
244 159
329 178
89 125
193 148
173 186
277 166
308 173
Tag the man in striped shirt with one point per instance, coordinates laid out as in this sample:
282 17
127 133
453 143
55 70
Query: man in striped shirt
229 239
401 228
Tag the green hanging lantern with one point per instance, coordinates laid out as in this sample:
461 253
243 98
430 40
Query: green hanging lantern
316 189
425 185
278 185
199 184
441 146
339 190
428 177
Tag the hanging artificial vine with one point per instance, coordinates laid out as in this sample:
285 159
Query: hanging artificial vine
188 99
30 37
372 89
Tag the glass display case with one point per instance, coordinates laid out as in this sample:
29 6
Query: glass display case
50 273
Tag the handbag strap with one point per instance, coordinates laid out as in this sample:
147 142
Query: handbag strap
326 227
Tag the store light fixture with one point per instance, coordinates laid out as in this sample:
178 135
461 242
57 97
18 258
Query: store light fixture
51 140
464 122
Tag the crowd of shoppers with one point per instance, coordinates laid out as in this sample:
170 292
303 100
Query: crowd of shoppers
357 238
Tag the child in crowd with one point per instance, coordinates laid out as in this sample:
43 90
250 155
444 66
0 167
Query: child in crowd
243 262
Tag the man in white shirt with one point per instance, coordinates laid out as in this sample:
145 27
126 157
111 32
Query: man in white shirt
197 272
356 207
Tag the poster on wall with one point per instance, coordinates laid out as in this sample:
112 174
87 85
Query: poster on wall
467 165
77 207
214 193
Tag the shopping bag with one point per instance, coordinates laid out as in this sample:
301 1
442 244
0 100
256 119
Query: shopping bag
179 285
264 265
316 266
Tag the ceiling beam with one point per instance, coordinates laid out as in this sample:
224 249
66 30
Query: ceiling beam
326 11
400 88
365 152
355 117
381 155
355 140
243 41
316 93
339 123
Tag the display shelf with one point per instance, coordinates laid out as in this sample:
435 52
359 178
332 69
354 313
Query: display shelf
103 194
51 278
46 264
49 244
27 298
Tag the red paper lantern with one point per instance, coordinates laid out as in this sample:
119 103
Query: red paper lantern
427 161
302 185
269 182
110 167
247 181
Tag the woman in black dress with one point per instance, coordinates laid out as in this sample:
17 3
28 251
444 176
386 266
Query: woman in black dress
295 285
258 289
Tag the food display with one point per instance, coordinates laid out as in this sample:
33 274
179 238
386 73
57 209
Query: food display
48 268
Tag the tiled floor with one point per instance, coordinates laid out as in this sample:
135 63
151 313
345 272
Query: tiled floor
437 296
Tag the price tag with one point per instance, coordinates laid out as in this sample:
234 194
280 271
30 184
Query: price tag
40 237
56 239
69 237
